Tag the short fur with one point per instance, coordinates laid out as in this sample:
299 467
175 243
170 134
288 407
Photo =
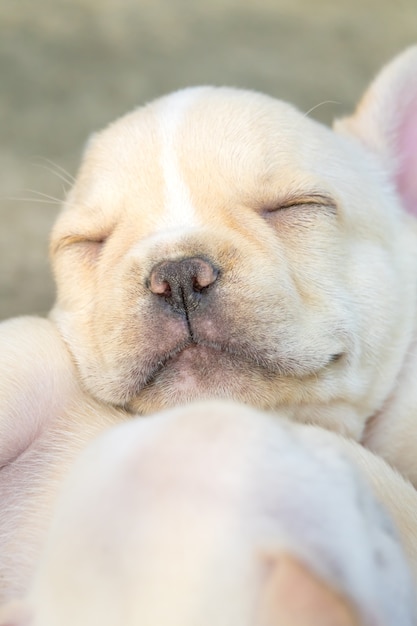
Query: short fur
216 514
219 244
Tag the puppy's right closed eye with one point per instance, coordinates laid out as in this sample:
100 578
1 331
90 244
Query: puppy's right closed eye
88 245
91 248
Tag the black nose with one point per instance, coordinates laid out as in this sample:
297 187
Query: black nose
182 283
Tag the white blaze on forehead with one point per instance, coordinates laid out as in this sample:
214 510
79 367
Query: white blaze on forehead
178 211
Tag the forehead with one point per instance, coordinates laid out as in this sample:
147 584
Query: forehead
224 132
206 119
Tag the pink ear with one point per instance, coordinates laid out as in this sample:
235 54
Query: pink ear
386 122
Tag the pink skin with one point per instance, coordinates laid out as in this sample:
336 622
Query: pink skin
407 147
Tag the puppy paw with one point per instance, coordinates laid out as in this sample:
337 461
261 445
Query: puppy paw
218 515
338 558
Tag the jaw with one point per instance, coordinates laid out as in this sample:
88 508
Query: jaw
302 385
200 372
337 394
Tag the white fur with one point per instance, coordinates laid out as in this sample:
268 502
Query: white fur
179 213
168 521
313 316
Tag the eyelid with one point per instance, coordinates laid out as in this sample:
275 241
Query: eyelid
70 240
310 199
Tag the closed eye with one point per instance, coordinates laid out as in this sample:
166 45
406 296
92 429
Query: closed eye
299 202
90 246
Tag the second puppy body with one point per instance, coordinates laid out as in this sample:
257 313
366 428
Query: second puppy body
216 514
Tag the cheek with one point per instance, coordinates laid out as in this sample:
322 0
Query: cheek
378 292
314 243
75 279
316 259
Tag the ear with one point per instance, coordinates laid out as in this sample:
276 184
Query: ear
293 596
386 122
15 613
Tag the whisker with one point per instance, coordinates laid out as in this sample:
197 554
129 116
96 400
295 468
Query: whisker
44 199
45 195
56 169
39 200
319 105
297 119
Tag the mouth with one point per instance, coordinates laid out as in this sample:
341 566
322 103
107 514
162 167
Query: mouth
193 356
197 371
203 361
197 368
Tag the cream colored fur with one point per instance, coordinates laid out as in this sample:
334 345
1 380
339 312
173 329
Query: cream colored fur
187 518
219 245
49 419
313 311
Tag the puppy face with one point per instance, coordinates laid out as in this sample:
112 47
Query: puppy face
219 244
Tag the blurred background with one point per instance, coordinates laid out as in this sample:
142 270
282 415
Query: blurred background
68 67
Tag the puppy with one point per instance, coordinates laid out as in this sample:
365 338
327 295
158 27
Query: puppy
219 514
218 244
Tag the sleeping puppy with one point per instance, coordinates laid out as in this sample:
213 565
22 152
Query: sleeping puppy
218 244
216 514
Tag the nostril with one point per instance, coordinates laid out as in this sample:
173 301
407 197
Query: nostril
204 275
159 285
185 278
197 286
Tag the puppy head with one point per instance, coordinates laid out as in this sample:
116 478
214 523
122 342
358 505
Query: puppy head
219 244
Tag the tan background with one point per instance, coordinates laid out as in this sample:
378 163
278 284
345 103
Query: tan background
67 67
